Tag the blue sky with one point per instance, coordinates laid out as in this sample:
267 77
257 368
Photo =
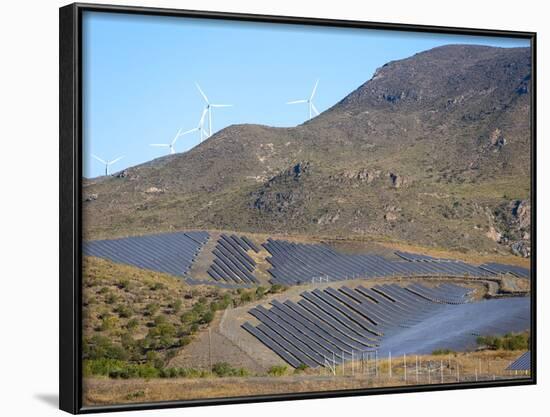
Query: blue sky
140 73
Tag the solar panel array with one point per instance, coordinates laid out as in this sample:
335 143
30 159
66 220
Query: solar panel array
523 363
495 268
231 261
298 263
171 253
332 326
221 284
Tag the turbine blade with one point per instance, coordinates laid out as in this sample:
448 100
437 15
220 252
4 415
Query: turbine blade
315 109
176 137
201 121
314 90
296 101
99 159
221 105
115 160
202 93
190 131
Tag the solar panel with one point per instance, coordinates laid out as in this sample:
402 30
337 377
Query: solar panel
523 363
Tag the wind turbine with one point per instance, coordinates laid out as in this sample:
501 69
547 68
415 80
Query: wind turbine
309 101
107 163
209 107
200 126
170 145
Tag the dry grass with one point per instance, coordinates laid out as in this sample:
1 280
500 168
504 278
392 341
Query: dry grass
487 365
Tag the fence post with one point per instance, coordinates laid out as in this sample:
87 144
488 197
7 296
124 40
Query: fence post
389 359
416 361
441 371
405 367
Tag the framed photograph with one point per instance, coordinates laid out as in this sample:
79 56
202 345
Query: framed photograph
260 208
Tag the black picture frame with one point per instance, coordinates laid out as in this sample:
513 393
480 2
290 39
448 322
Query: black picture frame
70 204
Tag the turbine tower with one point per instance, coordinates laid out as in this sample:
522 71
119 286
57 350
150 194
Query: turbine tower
309 102
170 145
209 107
107 163
200 127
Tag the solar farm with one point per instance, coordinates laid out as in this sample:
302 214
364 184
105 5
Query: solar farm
331 326
231 262
345 307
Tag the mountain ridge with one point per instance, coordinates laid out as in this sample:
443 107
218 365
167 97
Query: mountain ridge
451 122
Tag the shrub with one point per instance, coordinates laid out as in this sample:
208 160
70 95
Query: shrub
176 306
151 309
207 317
302 367
277 288
277 370
123 283
124 311
222 369
132 324
260 292
156 286
442 352
110 298
101 347
509 341
108 323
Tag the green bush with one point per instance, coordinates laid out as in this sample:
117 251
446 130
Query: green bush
123 283
124 311
442 352
301 368
132 324
156 286
176 306
101 347
277 370
510 341
151 309
207 317
222 369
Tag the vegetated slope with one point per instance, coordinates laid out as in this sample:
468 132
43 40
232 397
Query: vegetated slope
135 321
433 149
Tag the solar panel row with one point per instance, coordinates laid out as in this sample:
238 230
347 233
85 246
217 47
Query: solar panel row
297 263
171 253
504 269
523 363
232 263
334 325
221 284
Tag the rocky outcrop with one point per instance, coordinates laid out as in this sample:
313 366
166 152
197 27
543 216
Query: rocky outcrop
493 234
497 139
328 218
513 221
397 180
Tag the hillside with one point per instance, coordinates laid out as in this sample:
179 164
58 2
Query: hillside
432 150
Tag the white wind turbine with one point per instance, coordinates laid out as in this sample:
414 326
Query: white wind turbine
200 127
107 163
309 102
209 107
170 145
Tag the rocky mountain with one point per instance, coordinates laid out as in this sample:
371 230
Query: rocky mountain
433 149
